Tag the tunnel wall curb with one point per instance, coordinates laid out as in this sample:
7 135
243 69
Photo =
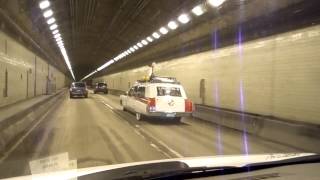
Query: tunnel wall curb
302 136
14 126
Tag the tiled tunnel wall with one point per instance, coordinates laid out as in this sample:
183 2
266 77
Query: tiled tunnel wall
276 76
23 74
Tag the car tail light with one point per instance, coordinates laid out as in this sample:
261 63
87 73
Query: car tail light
151 104
188 105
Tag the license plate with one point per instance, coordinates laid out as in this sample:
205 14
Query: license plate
171 114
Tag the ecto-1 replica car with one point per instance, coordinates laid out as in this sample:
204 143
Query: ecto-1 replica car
157 97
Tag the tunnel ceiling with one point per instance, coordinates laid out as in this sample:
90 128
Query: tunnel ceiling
97 30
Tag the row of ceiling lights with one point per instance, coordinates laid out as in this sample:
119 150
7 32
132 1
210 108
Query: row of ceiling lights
172 25
51 21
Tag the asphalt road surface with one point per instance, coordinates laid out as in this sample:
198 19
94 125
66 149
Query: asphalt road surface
95 131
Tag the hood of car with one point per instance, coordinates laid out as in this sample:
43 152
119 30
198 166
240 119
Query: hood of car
209 161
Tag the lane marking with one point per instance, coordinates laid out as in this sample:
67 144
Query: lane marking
139 134
108 106
163 144
138 128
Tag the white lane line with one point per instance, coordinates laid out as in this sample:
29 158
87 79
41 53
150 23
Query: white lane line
164 145
15 145
139 134
158 141
107 105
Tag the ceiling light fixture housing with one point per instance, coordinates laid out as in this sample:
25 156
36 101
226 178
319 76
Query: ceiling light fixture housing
48 13
149 39
198 10
163 30
144 42
139 45
51 20
55 31
156 35
216 3
183 18
172 25
44 4
53 26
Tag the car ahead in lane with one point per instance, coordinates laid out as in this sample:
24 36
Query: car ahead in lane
158 97
100 87
78 89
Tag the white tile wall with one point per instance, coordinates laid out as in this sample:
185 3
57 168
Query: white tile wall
20 64
275 76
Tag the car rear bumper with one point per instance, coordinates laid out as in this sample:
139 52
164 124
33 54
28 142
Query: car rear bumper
169 114
78 93
101 90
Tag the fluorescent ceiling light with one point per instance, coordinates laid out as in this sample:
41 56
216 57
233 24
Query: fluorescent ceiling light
57 35
58 39
135 47
163 30
144 42
44 4
215 3
51 20
47 13
139 44
172 25
105 65
149 39
156 35
55 31
53 26
183 18
198 10
132 49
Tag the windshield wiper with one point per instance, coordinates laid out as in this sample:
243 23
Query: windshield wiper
177 169
224 170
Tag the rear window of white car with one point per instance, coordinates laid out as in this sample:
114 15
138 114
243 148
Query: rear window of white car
168 91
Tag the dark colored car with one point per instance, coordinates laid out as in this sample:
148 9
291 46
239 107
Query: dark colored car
100 87
78 89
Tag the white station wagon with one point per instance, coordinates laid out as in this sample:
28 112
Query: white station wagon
159 97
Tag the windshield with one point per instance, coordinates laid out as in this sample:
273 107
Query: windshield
101 84
78 85
168 91
89 83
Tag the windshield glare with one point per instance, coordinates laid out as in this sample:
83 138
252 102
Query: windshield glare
88 85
